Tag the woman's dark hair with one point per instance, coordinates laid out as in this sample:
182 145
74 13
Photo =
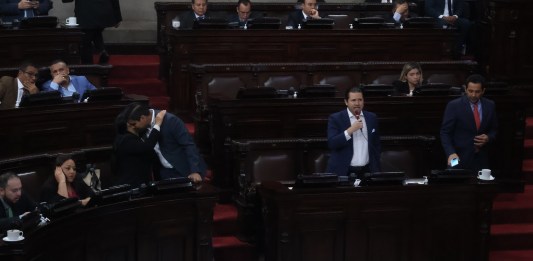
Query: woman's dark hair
62 158
133 111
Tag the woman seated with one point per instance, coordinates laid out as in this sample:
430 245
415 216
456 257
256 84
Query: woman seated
65 183
410 80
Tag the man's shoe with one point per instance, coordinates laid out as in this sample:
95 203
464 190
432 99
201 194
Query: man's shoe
104 58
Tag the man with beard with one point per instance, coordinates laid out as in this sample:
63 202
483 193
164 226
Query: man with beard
469 126
14 205
353 138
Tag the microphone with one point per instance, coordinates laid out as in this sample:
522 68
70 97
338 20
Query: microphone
75 97
357 118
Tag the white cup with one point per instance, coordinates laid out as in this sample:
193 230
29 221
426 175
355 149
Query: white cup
484 174
14 234
71 21
356 183
176 24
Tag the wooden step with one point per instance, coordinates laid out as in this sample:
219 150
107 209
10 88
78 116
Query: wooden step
511 255
511 236
230 248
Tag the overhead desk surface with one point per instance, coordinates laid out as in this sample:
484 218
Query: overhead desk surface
40 45
270 46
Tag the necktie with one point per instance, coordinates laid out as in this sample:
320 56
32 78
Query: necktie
476 116
450 9
29 13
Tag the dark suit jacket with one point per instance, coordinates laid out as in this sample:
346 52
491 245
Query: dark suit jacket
295 18
49 190
458 130
187 19
341 150
8 92
96 14
435 8
178 147
233 19
402 89
9 9
23 205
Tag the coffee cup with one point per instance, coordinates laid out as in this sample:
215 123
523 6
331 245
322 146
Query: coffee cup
176 24
14 234
356 182
71 21
484 174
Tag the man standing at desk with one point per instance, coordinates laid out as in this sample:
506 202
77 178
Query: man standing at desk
12 89
18 9
353 138
469 125
65 83
198 12
13 204
309 11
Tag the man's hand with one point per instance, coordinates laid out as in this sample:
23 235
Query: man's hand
30 87
25 4
452 156
402 8
195 177
450 19
314 14
60 79
159 117
480 140
357 125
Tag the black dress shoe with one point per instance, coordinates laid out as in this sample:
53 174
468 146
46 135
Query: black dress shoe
104 58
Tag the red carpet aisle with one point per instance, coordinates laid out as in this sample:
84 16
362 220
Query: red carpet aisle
512 229
137 74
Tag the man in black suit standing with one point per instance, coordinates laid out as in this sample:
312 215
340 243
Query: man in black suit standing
450 13
198 12
309 11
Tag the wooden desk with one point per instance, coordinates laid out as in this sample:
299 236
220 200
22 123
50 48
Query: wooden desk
41 46
175 226
50 128
446 222
307 118
275 46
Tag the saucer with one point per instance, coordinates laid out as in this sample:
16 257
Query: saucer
9 240
71 25
491 178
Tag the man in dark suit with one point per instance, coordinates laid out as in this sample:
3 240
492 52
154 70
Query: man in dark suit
18 9
353 138
94 16
469 126
14 205
65 83
178 155
243 14
12 89
198 12
450 13
309 11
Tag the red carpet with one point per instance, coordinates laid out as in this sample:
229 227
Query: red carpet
138 74
512 220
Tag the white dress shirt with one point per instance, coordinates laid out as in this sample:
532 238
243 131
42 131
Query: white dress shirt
360 141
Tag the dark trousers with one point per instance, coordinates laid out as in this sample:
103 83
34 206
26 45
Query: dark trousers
358 172
91 37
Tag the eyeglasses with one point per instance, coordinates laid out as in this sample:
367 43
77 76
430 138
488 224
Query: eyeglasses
31 74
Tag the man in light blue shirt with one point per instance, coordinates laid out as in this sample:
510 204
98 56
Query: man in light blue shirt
65 83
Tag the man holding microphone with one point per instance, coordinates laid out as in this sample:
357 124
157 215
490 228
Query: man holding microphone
353 138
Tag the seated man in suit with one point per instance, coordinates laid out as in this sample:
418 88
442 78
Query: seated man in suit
400 11
199 11
12 89
309 11
353 138
65 83
450 13
243 14
18 9
14 205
